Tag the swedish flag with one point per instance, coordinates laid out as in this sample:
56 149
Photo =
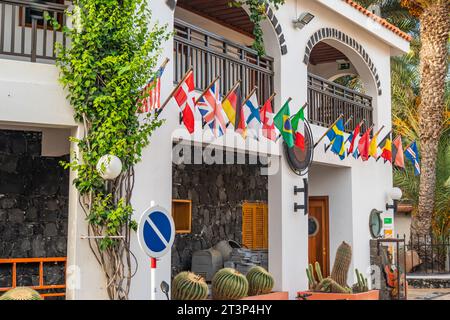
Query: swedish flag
336 136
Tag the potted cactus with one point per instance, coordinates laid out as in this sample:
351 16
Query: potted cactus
260 285
189 286
229 284
335 286
21 293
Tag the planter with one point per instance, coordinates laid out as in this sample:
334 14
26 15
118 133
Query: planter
280 295
369 295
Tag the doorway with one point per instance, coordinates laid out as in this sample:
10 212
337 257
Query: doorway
318 233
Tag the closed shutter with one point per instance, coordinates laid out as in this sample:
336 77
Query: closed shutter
255 225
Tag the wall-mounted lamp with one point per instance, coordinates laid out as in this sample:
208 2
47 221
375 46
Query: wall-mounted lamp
302 20
395 195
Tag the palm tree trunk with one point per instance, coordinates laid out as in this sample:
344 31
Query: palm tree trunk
434 33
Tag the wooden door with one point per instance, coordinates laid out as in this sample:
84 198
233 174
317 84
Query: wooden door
318 229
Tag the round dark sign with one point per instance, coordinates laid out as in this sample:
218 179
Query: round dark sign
300 160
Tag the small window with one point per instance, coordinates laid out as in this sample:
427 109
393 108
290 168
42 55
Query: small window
182 215
29 12
255 232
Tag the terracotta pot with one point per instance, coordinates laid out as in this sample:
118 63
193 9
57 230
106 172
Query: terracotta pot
369 295
279 295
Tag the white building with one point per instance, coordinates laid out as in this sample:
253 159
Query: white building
341 39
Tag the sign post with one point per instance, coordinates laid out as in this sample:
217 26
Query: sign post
156 233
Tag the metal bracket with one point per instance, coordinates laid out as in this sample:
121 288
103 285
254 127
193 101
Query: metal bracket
303 190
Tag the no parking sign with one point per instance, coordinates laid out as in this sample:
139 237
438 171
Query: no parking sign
156 232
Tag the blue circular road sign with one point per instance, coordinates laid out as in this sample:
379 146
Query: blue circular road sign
156 232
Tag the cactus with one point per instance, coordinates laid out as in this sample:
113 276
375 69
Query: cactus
361 285
330 285
229 284
311 278
189 286
259 281
318 271
21 293
342 264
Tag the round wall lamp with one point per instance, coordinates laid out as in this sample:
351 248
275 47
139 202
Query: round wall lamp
109 167
395 194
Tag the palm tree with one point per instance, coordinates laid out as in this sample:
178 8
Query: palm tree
432 17
434 22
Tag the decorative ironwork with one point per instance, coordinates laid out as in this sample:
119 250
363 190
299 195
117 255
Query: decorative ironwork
211 55
328 100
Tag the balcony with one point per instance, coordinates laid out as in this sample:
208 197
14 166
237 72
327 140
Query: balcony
25 34
328 100
211 55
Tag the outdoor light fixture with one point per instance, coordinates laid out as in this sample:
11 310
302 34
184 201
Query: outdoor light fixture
302 20
395 195
109 167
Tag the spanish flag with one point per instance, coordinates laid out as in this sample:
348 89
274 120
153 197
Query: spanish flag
386 153
283 123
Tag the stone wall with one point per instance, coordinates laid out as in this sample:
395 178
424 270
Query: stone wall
33 204
217 193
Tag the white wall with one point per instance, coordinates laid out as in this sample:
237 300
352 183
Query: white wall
335 182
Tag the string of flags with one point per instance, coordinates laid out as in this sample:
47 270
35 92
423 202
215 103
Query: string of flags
249 119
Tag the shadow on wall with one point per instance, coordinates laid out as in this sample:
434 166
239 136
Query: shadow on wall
217 193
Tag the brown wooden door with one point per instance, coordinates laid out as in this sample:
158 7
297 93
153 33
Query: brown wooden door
318 242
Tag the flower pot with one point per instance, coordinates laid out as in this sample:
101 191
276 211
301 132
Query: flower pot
279 295
311 295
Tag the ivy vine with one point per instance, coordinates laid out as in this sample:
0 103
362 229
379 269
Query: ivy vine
112 54
257 15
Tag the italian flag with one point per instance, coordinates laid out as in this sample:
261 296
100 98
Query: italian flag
298 123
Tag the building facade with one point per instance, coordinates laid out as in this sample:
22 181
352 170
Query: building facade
303 62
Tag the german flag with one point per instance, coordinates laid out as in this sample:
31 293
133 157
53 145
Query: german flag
231 104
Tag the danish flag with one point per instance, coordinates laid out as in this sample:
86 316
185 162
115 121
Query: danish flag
185 98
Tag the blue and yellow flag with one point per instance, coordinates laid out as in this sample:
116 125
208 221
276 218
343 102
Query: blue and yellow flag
337 134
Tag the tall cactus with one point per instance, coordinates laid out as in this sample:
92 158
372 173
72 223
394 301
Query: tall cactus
341 264
229 284
189 286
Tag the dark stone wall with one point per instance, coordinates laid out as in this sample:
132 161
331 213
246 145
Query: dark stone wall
217 193
33 202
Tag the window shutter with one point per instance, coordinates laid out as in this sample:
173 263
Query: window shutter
247 225
255 225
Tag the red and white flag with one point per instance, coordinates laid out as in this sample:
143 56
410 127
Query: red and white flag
185 98
266 115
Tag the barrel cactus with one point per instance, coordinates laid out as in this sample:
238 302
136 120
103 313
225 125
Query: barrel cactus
259 281
189 286
21 293
229 284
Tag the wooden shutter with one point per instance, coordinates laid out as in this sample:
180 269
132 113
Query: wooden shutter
247 225
255 225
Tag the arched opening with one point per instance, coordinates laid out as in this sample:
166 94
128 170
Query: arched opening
339 82
215 39
213 203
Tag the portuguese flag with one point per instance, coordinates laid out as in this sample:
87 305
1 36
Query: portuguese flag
283 123
298 122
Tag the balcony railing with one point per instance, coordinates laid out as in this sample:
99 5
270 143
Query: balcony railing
24 32
211 55
327 100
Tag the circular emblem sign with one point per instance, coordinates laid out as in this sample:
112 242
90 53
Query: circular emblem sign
300 160
156 232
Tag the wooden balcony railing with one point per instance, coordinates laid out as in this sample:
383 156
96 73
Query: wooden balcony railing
45 289
211 55
327 100
24 32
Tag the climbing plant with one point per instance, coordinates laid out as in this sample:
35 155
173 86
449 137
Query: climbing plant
112 54
257 15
